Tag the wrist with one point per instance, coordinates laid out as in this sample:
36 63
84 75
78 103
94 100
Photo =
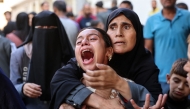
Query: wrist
95 104
119 83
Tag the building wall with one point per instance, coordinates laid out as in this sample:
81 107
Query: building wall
141 7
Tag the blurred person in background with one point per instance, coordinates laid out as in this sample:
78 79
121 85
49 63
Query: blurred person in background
69 9
19 35
113 5
11 26
45 50
70 26
155 9
71 16
102 13
6 48
126 4
30 16
182 6
97 24
84 20
167 32
45 6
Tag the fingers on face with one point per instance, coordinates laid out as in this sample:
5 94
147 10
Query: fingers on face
102 66
93 73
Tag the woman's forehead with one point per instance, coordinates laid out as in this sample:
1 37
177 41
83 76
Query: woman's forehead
120 18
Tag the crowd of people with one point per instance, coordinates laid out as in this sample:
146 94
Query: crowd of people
106 60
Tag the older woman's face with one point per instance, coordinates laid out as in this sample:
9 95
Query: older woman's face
122 34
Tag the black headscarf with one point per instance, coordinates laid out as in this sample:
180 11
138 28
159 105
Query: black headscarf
138 63
51 49
22 24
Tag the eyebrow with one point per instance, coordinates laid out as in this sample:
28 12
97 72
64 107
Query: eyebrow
123 23
88 35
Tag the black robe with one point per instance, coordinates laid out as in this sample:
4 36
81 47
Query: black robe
51 49
9 97
138 65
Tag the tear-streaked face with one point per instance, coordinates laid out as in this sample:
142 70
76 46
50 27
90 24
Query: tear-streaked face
90 49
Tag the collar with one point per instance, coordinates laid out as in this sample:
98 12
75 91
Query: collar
178 14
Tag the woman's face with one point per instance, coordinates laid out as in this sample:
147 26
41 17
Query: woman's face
90 49
122 34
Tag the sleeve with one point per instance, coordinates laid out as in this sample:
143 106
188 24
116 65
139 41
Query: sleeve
147 30
15 73
78 96
138 95
7 49
147 76
65 83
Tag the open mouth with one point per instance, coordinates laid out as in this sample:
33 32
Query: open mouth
87 56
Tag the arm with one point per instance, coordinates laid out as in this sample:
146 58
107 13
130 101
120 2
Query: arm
149 45
66 87
16 73
107 78
148 35
64 82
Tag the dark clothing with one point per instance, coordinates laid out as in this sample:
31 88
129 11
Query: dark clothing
5 54
22 24
113 8
18 76
171 104
50 50
84 21
137 64
10 27
9 97
103 16
64 81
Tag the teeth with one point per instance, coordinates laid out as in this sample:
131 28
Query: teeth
85 51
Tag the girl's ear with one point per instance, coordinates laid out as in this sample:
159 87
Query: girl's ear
109 53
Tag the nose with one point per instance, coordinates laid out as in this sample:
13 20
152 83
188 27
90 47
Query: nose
85 42
119 32
180 86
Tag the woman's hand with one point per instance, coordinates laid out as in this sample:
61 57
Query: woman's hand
107 78
104 78
32 90
159 104
66 106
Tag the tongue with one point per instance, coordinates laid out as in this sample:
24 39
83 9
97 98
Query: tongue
87 61
87 57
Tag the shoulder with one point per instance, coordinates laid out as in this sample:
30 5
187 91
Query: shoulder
154 16
79 18
18 51
4 40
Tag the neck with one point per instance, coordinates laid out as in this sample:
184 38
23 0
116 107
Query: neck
61 14
169 13
154 8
